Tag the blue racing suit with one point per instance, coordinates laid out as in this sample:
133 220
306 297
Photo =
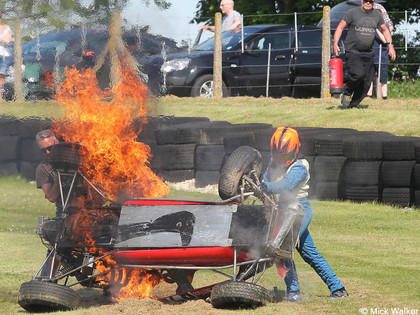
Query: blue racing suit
288 184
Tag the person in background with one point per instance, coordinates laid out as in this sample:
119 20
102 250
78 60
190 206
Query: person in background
387 20
380 49
231 20
362 23
45 174
286 178
380 40
5 40
46 179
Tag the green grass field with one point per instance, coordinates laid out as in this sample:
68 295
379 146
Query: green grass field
373 248
398 116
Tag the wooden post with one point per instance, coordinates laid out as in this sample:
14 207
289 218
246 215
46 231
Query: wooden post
17 76
326 52
114 34
217 58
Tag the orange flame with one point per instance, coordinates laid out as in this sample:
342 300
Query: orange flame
102 121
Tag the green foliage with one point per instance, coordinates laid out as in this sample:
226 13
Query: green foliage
56 15
404 87
407 61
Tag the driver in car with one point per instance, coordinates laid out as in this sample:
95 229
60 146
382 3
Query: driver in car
287 177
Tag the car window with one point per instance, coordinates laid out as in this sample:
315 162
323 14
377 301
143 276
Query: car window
278 40
230 40
310 41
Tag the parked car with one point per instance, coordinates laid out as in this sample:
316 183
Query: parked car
295 67
52 52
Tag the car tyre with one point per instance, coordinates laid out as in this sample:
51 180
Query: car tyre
203 87
241 162
43 296
239 294
65 156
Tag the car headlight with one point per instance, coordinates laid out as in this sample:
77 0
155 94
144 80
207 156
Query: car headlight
175 65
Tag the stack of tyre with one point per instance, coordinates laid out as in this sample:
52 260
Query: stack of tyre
361 172
175 147
328 161
416 176
398 170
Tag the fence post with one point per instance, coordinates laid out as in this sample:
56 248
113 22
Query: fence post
17 83
378 84
217 58
326 52
267 85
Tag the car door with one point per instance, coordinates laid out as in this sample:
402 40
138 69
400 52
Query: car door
306 62
255 65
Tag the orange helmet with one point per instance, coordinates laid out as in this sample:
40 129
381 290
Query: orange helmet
284 146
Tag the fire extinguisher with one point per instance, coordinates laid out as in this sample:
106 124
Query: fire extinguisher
336 76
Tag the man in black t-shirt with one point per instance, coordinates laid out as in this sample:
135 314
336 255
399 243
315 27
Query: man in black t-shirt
362 23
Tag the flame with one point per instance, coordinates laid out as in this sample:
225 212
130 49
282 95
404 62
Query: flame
102 122
112 159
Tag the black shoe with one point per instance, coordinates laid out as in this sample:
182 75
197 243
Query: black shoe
339 293
345 100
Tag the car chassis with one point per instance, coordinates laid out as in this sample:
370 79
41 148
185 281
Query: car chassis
247 238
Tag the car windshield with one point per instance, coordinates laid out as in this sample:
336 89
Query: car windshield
230 40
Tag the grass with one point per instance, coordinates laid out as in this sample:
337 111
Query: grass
400 117
373 249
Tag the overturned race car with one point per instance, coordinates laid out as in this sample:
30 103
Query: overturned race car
145 241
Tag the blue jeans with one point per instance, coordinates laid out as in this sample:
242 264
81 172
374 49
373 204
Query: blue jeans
311 256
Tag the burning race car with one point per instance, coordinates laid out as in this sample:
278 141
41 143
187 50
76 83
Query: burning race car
142 242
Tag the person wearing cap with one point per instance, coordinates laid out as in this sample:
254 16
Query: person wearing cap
286 178
5 40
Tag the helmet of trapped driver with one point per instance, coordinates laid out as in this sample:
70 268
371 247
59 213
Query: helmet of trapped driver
284 146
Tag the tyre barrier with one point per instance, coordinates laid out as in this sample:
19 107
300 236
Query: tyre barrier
344 163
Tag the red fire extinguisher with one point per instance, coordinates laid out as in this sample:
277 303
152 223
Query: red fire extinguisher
336 76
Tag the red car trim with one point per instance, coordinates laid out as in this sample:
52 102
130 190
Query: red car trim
196 256
170 202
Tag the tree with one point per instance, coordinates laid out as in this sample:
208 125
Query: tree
281 11
310 13
52 15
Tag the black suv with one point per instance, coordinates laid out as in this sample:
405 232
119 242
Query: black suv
295 66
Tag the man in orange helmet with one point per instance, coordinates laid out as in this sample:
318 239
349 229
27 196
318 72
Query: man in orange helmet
287 177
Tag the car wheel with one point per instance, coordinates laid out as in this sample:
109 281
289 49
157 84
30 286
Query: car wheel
43 296
241 162
238 294
65 156
203 87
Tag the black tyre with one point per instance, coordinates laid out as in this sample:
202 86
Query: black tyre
362 193
397 173
241 162
364 173
238 294
203 87
328 168
42 296
397 196
65 156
